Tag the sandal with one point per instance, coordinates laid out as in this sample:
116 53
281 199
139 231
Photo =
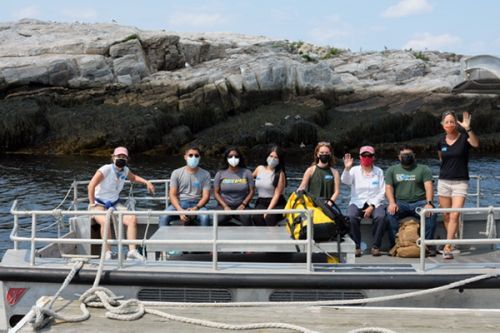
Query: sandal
447 252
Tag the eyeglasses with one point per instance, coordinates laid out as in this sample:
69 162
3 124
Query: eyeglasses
194 155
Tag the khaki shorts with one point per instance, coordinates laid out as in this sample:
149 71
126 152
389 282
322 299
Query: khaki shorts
452 188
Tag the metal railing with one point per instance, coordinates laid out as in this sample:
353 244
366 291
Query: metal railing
120 242
76 184
76 199
491 240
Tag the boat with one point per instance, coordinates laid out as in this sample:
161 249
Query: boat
235 264
480 75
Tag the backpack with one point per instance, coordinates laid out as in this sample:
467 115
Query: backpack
406 242
328 221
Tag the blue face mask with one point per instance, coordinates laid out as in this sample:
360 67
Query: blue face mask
193 162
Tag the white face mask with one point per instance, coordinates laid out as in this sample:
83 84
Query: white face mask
272 162
233 161
193 162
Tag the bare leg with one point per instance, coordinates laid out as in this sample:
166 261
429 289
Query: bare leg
101 220
456 202
445 202
131 222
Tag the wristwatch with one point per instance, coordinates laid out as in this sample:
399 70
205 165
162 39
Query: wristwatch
468 130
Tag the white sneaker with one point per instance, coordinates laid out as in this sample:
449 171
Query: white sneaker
108 255
134 255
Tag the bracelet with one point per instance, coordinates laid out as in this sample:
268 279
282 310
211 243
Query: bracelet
244 204
431 203
468 130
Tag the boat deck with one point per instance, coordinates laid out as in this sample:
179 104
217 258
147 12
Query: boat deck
466 262
314 318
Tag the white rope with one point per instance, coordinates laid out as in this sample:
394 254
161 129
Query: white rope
146 231
225 326
372 330
65 197
43 314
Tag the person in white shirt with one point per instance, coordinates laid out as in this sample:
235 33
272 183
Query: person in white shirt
104 193
367 195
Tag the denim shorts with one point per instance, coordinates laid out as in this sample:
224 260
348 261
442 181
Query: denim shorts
452 188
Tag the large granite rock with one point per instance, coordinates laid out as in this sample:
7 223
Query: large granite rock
73 88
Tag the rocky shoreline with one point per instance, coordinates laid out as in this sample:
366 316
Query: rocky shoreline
84 88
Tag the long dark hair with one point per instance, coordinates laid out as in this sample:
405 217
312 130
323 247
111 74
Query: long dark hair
242 163
281 166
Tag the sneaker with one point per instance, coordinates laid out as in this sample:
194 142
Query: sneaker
358 253
134 255
108 255
432 251
447 255
375 251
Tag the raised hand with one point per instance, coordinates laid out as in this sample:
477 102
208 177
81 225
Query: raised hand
348 161
465 123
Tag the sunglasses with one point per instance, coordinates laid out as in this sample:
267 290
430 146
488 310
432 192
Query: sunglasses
194 155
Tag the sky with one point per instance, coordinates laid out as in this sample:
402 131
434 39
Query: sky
460 26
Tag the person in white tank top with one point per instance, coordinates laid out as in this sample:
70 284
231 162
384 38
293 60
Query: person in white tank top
104 193
270 181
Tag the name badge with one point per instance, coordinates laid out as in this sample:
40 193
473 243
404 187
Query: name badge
328 177
444 149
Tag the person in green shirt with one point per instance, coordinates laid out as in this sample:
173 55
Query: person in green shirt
408 186
321 180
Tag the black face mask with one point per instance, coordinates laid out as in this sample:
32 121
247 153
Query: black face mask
120 162
325 158
407 159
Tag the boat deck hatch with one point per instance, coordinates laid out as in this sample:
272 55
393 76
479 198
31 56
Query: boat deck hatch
185 295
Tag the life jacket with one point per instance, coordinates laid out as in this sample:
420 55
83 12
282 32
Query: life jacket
328 221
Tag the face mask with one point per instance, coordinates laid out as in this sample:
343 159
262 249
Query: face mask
233 161
120 162
366 161
407 159
325 158
273 162
193 162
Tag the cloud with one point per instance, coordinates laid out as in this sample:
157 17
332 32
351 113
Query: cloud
80 14
432 42
200 20
27 12
331 30
407 8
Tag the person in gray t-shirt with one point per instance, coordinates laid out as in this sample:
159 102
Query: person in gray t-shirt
189 190
234 186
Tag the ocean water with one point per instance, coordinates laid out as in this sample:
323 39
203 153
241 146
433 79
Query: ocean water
41 182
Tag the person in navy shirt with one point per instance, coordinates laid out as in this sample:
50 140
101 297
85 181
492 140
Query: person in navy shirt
453 152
